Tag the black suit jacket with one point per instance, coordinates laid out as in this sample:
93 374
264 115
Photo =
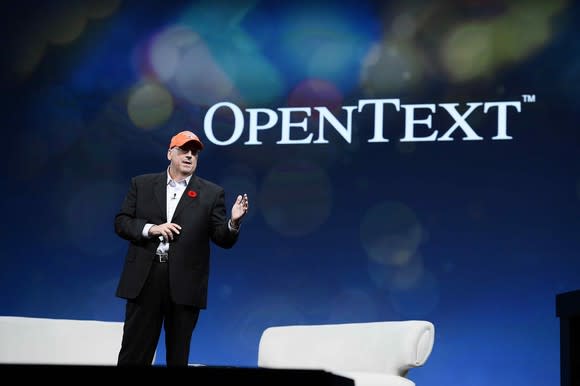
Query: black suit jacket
201 213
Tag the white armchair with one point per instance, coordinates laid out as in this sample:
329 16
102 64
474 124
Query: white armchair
59 341
372 354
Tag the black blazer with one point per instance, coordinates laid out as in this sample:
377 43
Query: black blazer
201 213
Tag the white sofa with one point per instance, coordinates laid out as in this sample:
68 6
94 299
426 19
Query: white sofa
27 340
372 354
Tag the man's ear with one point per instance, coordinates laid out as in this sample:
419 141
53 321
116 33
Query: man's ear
169 154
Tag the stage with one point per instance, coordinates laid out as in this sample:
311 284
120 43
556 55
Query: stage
206 375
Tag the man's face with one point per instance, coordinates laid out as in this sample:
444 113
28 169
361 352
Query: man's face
183 159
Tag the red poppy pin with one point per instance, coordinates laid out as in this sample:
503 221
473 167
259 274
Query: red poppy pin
192 193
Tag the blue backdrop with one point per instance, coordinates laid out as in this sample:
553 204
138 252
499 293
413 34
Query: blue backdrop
477 236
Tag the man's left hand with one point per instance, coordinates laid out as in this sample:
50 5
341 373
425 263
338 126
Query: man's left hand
239 209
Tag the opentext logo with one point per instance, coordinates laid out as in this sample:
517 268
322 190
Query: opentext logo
293 121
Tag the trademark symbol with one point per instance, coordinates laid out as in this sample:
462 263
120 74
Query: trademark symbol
529 98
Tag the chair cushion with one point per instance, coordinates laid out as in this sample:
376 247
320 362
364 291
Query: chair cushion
375 347
27 340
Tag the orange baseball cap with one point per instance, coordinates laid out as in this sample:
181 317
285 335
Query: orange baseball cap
184 137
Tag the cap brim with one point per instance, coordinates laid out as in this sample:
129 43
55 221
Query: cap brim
197 143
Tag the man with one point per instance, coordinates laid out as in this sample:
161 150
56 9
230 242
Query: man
169 219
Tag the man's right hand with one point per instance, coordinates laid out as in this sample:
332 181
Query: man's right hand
166 230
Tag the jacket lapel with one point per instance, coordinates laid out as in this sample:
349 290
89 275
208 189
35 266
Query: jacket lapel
190 196
160 192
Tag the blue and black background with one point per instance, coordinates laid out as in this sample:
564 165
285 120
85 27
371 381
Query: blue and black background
476 236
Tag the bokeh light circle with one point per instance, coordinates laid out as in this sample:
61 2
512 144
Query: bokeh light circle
399 278
295 198
150 105
418 301
467 52
390 233
389 67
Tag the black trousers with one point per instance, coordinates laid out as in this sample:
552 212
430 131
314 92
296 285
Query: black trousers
144 317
